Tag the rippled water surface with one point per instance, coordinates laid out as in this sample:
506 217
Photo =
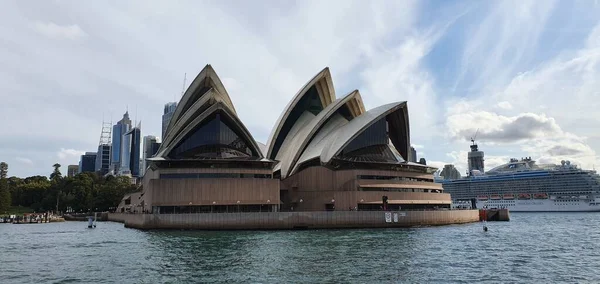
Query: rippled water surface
532 247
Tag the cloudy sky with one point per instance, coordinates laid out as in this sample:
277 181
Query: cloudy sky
525 73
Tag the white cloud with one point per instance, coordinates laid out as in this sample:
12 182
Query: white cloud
55 31
492 127
390 51
69 154
504 105
397 75
436 164
417 146
504 41
25 161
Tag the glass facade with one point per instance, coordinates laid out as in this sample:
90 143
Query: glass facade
309 102
376 134
123 126
393 189
194 209
393 178
213 175
213 139
372 145
88 163
103 158
116 143
134 156
167 115
125 154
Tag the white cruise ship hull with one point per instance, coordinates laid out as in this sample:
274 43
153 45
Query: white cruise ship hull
542 205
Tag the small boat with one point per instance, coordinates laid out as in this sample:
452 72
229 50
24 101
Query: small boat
495 197
540 196
508 196
482 197
524 196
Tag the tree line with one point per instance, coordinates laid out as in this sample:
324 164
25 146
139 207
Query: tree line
85 192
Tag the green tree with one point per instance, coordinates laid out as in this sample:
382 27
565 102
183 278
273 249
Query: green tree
56 188
56 175
5 199
3 170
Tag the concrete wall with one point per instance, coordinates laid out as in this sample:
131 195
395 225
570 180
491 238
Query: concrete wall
291 220
223 191
318 186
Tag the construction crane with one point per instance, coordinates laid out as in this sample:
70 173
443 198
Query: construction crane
475 136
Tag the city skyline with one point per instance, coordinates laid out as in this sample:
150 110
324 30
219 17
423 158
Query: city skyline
523 73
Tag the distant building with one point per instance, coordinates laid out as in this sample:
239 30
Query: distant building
151 145
422 161
123 126
103 156
72 170
475 159
412 156
450 172
167 114
87 162
125 166
103 159
135 136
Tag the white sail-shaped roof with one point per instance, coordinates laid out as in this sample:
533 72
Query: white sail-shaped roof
206 79
344 135
323 85
205 96
355 107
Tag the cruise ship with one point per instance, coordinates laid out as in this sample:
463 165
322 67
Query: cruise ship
522 185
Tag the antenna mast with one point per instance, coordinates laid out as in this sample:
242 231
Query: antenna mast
183 87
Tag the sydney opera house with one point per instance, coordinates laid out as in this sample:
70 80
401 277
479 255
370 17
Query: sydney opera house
325 153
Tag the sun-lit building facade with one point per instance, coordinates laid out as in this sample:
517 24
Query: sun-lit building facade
208 161
333 154
324 153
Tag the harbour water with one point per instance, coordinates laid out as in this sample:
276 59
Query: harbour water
532 247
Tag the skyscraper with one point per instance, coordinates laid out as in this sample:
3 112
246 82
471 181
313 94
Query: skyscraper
475 158
103 159
125 168
151 145
123 126
168 113
134 156
104 149
72 170
87 162
450 172
412 157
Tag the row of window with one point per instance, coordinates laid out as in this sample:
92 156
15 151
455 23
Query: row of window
394 178
212 175
212 209
395 189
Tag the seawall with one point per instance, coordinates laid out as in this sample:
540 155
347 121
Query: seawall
295 220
